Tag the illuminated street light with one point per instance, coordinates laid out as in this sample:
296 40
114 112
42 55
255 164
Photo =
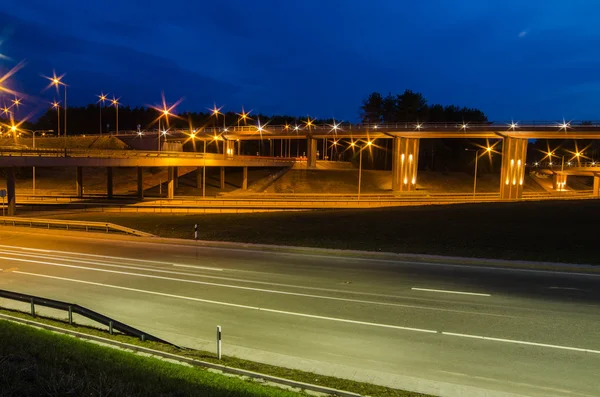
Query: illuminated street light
464 126
56 105
418 126
57 82
513 125
244 116
115 102
101 102
487 149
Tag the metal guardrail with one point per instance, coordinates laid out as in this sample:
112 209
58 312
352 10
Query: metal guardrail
87 226
71 308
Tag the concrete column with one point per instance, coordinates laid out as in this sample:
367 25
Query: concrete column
239 147
10 192
596 191
109 182
311 152
176 176
245 179
170 182
514 155
79 181
405 163
140 183
199 178
271 147
222 178
228 149
559 181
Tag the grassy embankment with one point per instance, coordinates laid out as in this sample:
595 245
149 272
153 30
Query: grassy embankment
34 361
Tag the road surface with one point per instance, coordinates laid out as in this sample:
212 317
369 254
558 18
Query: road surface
443 329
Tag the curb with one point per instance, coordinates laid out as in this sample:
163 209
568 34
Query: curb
186 360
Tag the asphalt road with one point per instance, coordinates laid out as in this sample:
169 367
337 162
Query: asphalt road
401 324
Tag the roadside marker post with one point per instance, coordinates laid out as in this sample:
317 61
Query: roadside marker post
196 231
219 342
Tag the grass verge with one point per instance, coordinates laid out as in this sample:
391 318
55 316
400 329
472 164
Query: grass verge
552 231
38 362
186 377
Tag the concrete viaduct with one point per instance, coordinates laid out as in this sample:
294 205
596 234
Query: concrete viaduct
405 151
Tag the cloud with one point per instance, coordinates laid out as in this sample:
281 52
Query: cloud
523 33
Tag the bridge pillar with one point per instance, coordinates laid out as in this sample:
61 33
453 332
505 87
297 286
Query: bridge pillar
170 182
222 178
311 152
10 192
239 147
176 176
272 147
140 183
596 191
228 149
109 182
559 181
198 177
79 181
405 161
514 155
245 178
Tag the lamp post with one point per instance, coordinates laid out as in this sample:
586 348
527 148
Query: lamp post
56 81
56 105
361 148
487 149
115 103
101 101
33 144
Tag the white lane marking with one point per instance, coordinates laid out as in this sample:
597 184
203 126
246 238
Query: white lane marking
252 289
520 342
101 263
569 288
100 256
196 267
449 292
262 309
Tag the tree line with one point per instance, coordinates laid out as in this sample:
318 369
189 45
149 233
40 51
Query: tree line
412 107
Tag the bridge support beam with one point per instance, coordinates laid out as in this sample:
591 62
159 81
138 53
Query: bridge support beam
222 178
596 191
170 182
245 178
79 181
559 181
109 182
199 178
405 162
514 155
10 192
140 183
311 152
176 176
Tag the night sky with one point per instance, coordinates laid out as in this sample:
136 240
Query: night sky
525 60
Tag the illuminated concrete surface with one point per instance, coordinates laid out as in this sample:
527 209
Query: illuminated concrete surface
345 316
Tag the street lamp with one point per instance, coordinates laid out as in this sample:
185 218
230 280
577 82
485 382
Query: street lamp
361 148
486 150
101 101
56 105
243 116
56 81
14 129
115 103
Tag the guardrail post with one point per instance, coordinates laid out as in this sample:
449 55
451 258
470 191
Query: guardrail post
70 315
143 338
32 308
196 231
110 327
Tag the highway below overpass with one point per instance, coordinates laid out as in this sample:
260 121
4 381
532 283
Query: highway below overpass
404 323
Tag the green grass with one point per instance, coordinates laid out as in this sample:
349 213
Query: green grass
297 375
38 362
554 231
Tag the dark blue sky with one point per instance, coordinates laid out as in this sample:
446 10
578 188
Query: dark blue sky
523 59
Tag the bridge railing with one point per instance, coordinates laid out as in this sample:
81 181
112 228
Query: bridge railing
567 164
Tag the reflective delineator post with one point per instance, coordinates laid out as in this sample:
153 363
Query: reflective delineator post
219 342
196 231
